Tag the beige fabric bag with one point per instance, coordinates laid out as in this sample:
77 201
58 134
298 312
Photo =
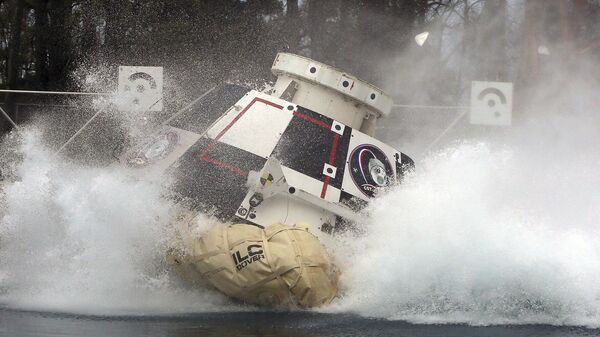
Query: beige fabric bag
278 265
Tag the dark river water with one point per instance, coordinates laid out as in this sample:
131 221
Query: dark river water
248 324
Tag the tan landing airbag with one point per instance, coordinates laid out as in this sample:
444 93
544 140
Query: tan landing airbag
279 265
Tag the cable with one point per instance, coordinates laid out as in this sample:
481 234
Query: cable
56 92
9 119
81 129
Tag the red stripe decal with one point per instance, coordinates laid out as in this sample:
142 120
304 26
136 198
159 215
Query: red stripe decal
336 138
212 144
232 168
312 120
334 145
324 189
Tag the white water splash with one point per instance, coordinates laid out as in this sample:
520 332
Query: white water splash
482 234
88 240
478 234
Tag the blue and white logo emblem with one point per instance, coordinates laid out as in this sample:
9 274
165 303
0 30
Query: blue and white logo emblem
370 169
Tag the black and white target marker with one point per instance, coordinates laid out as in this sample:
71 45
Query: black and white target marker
491 103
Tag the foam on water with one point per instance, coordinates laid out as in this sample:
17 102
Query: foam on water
88 240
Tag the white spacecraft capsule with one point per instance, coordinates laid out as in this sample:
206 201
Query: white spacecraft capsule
299 158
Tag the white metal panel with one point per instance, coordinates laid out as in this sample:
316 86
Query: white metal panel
287 210
256 125
310 185
333 79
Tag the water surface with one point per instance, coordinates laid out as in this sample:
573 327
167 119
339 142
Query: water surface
250 324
